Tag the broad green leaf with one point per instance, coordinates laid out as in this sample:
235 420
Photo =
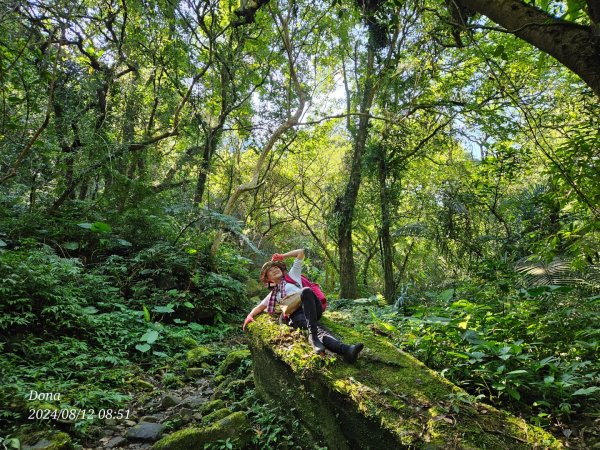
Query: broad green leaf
71 245
513 393
150 336
142 347
101 227
586 391
90 310
163 309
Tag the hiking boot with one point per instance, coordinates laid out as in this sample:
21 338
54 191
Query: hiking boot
316 344
350 352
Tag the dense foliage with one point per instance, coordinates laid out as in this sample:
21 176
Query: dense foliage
153 153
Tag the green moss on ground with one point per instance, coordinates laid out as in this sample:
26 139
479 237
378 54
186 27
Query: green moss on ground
234 427
198 355
46 440
387 396
232 361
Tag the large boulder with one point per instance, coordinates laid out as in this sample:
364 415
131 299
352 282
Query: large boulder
235 427
388 399
46 440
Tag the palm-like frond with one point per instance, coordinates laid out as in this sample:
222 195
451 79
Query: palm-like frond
558 272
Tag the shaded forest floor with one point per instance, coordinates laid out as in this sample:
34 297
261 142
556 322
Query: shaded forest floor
180 395
124 332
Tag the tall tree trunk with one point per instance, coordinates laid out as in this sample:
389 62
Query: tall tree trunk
387 250
344 205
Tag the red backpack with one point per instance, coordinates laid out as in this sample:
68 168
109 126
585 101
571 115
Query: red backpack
313 287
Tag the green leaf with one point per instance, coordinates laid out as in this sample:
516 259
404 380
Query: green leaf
142 347
87 226
516 372
2 243
71 245
146 314
188 305
196 326
150 336
586 391
90 310
513 393
124 243
161 354
101 227
446 295
498 51
163 309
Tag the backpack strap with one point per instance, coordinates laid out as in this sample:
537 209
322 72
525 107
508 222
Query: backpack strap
291 280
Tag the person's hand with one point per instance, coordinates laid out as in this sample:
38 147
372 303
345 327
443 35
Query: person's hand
249 319
277 257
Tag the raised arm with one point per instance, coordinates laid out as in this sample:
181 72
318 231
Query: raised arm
298 253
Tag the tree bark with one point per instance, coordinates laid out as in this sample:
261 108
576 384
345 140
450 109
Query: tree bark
387 250
575 46
344 205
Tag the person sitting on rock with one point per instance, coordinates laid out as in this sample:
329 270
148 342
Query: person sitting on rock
310 311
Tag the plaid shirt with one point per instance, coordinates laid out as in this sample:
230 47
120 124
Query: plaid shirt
280 288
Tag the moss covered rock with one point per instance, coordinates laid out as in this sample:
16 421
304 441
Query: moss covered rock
235 427
46 441
211 406
198 355
216 415
388 399
232 361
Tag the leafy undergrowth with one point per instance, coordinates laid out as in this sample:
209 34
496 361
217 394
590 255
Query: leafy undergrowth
107 334
533 352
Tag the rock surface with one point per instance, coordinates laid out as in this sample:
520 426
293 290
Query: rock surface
388 399
234 427
145 431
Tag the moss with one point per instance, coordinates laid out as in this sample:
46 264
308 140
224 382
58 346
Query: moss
46 441
195 372
141 384
211 406
387 396
219 379
198 355
189 342
234 427
216 415
232 361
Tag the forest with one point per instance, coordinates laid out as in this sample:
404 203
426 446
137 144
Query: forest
438 160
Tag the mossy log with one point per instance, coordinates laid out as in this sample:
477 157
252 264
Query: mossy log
388 399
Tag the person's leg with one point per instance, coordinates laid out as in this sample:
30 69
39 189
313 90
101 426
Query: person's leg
349 352
312 310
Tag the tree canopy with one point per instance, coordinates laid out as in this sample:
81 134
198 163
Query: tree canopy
437 160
